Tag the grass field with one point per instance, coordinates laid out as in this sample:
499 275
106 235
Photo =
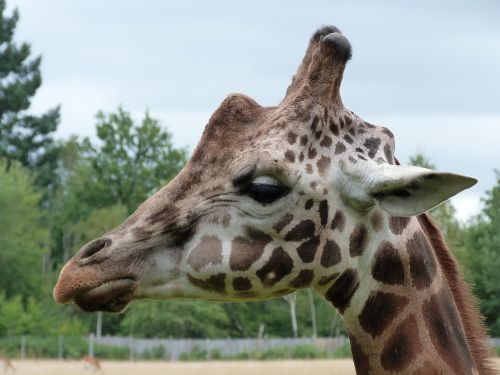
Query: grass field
292 367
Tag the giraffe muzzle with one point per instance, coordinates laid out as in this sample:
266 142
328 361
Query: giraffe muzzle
96 284
111 296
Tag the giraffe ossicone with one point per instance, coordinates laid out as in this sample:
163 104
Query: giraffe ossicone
303 194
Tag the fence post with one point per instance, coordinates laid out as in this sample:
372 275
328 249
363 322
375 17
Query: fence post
98 329
91 344
131 348
60 351
23 347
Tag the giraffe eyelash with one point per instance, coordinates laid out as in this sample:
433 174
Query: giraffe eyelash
265 189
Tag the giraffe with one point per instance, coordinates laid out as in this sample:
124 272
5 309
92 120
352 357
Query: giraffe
305 194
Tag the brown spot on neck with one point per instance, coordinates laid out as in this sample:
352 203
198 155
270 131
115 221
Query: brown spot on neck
397 224
341 292
358 241
446 332
303 279
331 254
402 347
379 311
307 250
422 262
323 212
388 266
361 360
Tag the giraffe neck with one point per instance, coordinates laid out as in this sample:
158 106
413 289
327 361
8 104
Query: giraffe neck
397 304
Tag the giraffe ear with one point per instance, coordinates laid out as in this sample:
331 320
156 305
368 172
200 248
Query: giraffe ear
406 190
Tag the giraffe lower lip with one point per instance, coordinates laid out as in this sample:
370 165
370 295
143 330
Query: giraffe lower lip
111 296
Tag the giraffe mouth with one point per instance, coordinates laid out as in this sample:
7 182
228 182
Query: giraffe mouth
111 296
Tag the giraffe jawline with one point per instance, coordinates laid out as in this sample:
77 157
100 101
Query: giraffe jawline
112 296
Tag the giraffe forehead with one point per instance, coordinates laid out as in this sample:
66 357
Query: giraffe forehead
240 128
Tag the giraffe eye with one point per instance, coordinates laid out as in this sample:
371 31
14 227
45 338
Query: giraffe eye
265 189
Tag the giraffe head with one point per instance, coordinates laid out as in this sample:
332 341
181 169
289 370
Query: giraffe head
261 207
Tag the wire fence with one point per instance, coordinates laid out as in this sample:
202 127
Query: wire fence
129 348
117 347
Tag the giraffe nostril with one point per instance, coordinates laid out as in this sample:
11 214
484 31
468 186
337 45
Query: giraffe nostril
93 247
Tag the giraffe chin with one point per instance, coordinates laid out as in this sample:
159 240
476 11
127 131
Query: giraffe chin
112 296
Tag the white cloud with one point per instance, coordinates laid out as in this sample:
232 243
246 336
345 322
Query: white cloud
80 100
186 127
467 205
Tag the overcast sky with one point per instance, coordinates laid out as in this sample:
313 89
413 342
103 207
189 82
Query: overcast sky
428 70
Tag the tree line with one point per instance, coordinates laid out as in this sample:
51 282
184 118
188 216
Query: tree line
55 195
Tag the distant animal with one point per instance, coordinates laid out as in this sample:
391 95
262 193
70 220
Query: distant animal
6 364
92 363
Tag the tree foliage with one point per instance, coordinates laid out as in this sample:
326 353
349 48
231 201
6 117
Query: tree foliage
23 137
480 255
23 240
133 160
176 319
129 162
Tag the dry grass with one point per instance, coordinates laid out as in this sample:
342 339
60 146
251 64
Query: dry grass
316 367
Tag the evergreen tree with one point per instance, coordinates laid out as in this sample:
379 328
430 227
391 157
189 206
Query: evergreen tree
23 137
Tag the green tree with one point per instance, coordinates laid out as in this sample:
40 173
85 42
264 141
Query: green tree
23 241
195 319
23 137
481 256
445 213
133 160
130 162
98 222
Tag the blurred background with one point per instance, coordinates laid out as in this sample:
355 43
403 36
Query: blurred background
85 86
